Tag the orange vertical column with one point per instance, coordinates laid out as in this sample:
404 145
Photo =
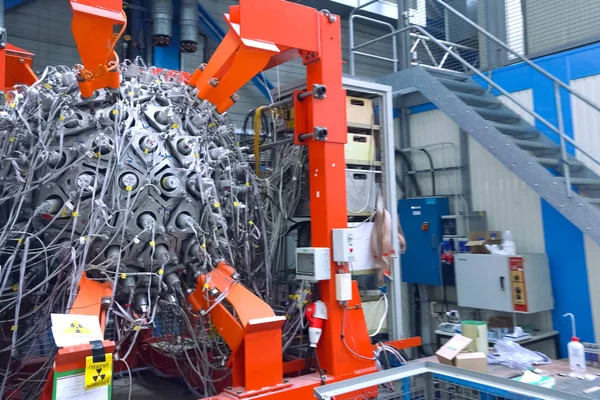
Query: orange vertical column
328 198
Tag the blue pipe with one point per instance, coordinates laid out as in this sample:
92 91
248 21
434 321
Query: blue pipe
216 33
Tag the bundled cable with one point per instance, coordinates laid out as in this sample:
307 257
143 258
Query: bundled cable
146 189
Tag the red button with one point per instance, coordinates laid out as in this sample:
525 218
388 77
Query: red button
351 249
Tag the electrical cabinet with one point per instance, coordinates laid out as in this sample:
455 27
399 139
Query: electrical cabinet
421 220
504 283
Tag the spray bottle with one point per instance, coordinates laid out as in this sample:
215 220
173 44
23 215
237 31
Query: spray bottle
576 352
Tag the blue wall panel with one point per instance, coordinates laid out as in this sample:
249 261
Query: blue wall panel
566 255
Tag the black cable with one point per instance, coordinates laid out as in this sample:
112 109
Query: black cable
432 169
321 374
410 168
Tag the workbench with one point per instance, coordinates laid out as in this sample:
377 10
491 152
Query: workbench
565 384
536 338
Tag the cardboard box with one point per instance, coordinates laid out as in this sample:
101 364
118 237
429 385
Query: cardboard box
478 240
453 347
472 361
477 331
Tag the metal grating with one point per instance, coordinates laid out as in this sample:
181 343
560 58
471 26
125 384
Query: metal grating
430 381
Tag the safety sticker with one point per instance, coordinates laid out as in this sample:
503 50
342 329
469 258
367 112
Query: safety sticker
76 327
98 374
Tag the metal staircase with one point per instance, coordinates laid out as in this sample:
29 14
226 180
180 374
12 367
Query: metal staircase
568 184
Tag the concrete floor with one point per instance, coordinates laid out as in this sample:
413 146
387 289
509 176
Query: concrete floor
147 386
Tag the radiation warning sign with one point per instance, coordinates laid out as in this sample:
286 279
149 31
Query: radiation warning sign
98 374
76 327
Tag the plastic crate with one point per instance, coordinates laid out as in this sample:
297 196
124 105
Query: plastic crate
360 149
359 112
361 191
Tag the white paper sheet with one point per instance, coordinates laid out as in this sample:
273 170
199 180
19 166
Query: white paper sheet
73 329
72 388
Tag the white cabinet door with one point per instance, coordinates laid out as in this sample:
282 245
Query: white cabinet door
483 281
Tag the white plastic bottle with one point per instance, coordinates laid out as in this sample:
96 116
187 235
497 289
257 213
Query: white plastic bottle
576 352
508 244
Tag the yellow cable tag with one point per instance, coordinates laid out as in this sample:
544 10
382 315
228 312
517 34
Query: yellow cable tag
157 81
98 374
175 126
62 117
20 241
203 245
75 214
161 271
11 139
212 125
250 222
131 94
47 86
145 151
64 212
98 155
206 286
236 203
13 328
15 287
12 105
195 155
247 183
128 188
152 243
217 205
123 276
136 328
115 112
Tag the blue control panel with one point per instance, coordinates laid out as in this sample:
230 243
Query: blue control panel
421 220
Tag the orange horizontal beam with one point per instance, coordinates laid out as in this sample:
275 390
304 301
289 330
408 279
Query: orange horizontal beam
404 343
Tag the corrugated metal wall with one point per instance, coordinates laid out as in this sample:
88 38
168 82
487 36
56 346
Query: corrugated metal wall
552 24
586 120
434 127
509 202
586 125
43 27
592 260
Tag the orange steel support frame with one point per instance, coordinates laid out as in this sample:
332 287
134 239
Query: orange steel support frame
17 64
92 26
253 335
264 34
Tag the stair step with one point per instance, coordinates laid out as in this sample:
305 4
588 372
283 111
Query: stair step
534 145
480 101
516 129
445 73
503 114
583 181
592 200
465 87
557 165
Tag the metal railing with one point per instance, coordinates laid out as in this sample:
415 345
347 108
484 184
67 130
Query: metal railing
427 380
451 49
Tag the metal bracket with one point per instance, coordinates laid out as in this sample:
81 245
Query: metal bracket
319 91
320 133
2 38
